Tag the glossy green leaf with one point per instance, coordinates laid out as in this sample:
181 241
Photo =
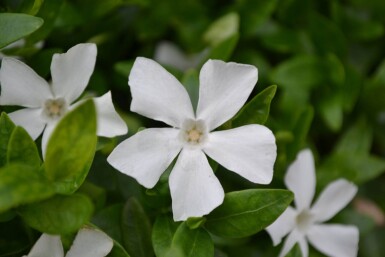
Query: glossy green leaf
22 148
192 242
59 214
21 184
71 148
6 129
136 229
257 110
14 26
162 234
247 212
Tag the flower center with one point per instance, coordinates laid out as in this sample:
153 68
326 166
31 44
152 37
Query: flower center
304 220
55 108
193 132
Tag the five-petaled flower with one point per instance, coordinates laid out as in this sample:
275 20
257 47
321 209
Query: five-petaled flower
88 242
46 104
249 150
304 223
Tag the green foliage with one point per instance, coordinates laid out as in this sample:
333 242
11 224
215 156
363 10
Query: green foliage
247 212
71 148
162 235
6 129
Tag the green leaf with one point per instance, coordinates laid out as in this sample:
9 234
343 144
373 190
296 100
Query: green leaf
136 229
222 29
109 220
247 212
294 252
257 110
14 26
192 242
21 184
331 109
71 148
162 235
59 214
22 148
6 129
224 49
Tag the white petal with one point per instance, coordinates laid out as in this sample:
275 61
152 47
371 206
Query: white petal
46 136
108 120
71 71
282 226
30 119
295 237
168 53
47 246
20 85
335 240
249 151
195 191
224 88
90 243
332 199
300 178
157 94
147 154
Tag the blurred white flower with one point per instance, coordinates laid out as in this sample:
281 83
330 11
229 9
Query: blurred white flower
249 151
305 222
87 243
46 104
18 45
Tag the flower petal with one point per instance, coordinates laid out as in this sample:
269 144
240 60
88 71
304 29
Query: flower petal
249 151
71 71
90 243
195 190
20 85
30 119
295 237
224 88
157 94
47 246
282 226
335 240
147 154
300 178
332 199
108 120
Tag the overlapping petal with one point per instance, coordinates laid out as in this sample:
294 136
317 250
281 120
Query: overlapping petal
72 70
335 240
249 151
30 119
282 226
109 123
333 198
90 243
195 190
20 85
157 94
300 178
224 88
47 246
147 154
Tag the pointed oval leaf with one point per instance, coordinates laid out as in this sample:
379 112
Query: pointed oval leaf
247 212
6 129
59 214
14 26
162 235
21 184
71 148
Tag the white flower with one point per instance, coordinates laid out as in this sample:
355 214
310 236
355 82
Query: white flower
249 151
88 243
46 104
305 223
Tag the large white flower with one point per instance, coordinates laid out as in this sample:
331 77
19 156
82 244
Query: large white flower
305 223
88 242
249 151
46 104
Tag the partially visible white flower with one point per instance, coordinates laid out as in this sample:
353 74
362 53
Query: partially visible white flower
169 54
305 222
88 242
46 104
249 151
